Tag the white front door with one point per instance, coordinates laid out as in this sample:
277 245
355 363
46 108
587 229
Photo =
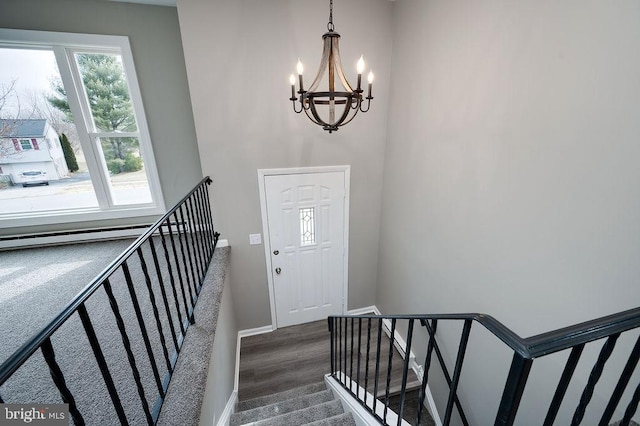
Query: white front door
306 244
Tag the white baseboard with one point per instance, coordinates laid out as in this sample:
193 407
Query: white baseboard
364 311
225 417
254 331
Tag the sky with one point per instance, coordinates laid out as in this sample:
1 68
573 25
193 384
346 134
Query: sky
32 70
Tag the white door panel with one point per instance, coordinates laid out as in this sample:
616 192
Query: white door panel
306 230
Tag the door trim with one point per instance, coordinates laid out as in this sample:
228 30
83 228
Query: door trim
262 173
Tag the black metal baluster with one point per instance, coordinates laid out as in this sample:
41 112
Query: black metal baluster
1 400
453 389
331 320
377 374
205 235
209 216
171 277
185 265
622 384
196 250
188 255
346 350
632 407
513 390
60 382
366 365
405 371
389 365
163 293
154 307
563 385
206 231
359 355
340 349
425 372
127 346
199 229
445 371
351 359
596 372
179 269
143 328
102 363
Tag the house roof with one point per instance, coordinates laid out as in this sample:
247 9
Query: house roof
23 128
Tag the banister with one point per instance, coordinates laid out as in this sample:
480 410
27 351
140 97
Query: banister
540 344
32 345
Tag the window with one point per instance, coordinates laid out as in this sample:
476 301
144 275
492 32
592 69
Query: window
25 144
88 96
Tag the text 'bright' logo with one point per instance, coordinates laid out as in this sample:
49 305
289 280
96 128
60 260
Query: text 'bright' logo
41 415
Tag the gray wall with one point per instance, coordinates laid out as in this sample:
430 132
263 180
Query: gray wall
222 365
239 54
154 35
511 170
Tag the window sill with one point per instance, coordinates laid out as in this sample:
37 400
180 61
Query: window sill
78 215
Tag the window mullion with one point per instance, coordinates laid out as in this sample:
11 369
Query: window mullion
72 82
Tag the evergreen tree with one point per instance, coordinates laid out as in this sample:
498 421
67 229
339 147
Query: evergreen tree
111 107
69 155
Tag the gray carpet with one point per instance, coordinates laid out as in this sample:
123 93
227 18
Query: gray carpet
35 284
313 404
32 382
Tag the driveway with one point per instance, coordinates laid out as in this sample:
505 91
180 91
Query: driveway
75 191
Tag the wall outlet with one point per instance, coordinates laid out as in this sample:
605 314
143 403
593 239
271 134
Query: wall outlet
255 239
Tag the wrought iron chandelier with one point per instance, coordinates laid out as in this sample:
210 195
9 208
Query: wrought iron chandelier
332 108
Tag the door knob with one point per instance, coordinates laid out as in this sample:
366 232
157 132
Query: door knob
278 270
276 252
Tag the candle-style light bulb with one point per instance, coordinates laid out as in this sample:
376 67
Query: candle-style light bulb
370 80
360 65
300 68
292 81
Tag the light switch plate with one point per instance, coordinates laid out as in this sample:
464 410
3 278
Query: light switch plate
255 239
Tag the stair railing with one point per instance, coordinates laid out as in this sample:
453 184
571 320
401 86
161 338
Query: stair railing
352 346
180 247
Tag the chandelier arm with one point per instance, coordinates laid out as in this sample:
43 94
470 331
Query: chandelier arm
293 101
368 105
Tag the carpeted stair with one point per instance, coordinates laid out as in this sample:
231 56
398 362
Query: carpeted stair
308 405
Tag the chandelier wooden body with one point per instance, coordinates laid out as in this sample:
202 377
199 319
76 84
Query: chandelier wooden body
331 108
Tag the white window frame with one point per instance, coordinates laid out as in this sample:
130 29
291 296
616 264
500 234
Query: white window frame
64 46
22 148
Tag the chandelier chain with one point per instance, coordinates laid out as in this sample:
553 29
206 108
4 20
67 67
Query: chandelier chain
330 26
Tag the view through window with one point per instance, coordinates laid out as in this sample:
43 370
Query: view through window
71 139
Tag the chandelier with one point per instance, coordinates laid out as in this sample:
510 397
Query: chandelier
331 108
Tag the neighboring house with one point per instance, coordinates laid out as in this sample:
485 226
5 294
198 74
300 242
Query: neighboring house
29 145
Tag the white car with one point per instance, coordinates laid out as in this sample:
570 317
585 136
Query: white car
34 177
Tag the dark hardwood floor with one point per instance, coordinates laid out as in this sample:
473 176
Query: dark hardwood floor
299 355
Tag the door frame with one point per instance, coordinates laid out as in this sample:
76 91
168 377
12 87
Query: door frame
262 173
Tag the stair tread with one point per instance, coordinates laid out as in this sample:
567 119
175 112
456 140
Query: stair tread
345 419
280 396
281 407
395 390
304 416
